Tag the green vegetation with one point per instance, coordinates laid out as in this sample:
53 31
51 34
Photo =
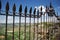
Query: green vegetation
16 35
16 31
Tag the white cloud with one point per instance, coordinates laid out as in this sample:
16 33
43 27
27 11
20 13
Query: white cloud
51 19
38 8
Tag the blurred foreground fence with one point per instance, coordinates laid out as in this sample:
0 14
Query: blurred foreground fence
36 14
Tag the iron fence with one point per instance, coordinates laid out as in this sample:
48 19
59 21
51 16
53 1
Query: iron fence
35 14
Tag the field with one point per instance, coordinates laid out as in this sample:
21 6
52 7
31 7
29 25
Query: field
16 31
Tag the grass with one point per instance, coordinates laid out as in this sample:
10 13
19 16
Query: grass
16 32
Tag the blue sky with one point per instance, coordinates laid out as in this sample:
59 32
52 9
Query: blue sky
30 3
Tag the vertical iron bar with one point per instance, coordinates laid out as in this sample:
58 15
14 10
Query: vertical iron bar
7 9
14 9
37 27
37 22
46 23
30 11
25 23
20 11
52 26
19 24
34 28
48 28
6 25
53 21
30 28
25 28
41 20
34 24
13 24
41 24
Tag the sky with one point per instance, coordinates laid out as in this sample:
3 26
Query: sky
29 3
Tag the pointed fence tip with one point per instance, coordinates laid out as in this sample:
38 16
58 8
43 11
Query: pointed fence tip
7 6
14 7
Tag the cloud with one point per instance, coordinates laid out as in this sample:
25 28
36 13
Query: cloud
51 19
38 8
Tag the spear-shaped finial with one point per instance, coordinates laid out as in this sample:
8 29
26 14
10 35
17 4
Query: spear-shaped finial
34 11
7 6
20 8
30 11
38 13
41 8
26 9
46 9
14 8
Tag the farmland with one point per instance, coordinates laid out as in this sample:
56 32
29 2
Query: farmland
16 31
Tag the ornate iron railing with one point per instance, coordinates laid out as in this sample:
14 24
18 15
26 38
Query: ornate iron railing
34 14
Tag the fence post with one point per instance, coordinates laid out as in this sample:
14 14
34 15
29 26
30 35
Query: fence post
34 23
25 11
20 11
47 34
30 11
14 9
41 18
37 22
7 9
